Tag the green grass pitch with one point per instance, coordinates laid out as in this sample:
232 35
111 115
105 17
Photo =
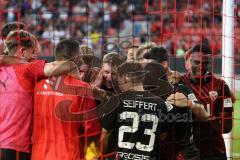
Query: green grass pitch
236 129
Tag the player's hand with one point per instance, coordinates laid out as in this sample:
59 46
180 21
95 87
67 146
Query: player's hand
98 80
178 99
174 77
130 57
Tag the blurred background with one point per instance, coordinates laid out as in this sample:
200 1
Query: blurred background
177 24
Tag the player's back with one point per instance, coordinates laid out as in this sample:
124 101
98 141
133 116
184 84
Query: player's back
16 102
137 121
56 132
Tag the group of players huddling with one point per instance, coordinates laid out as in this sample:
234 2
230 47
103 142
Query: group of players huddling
131 106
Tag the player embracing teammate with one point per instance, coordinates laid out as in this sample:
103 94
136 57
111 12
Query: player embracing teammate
217 99
136 121
141 99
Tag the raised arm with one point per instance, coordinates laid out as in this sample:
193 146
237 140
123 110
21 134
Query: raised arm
59 67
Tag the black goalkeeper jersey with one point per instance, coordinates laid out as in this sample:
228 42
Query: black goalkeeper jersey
179 118
179 128
182 124
137 123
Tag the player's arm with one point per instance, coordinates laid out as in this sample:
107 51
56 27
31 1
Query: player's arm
59 67
180 100
105 134
226 121
50 69
104 140
226 112
10 60
198 110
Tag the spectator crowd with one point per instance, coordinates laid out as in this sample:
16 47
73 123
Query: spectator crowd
177 24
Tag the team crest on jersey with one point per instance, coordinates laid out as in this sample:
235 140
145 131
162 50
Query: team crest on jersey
213 95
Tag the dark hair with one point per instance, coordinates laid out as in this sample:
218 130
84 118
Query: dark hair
20 38
130 69
157 53
91 60
204 48
7 28
66 49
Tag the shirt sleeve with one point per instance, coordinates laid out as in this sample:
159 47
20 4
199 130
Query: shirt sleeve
228 93
227 100
35 70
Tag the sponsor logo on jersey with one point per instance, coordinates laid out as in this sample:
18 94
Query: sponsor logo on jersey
213 95
49 93
124 155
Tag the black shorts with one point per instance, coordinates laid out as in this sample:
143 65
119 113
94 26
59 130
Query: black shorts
9 154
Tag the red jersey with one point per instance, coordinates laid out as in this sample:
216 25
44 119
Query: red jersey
216 97
16 103
56 133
